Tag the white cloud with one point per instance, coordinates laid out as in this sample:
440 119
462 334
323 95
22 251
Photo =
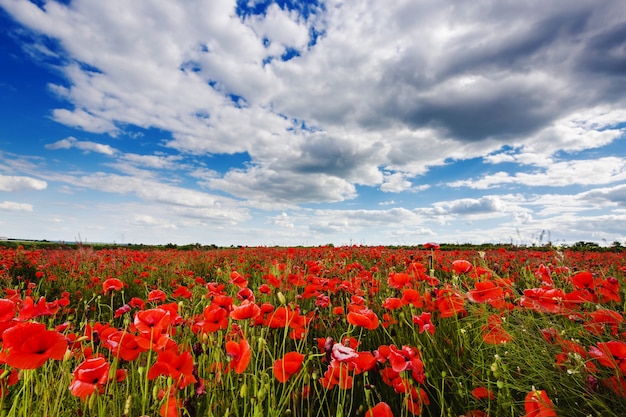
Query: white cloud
86 146
558 174
13 206
11 183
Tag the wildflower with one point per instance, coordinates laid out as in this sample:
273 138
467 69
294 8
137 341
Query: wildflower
90 377
363 317
381 409
112 284
611 354
240 355
246 310
122 344
461 266
537 404
178 367
398 280
423 321
481 392
29 345
287 366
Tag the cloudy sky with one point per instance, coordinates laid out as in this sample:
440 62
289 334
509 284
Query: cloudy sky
235 122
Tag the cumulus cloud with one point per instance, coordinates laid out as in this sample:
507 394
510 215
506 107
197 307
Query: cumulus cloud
11 183
482 73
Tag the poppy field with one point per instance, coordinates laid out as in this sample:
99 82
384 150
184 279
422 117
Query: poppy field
321 331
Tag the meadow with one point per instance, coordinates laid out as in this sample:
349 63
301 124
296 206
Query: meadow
320 331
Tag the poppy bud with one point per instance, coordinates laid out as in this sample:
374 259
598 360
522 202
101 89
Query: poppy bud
281 298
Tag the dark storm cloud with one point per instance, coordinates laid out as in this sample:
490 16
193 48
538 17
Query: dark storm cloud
516 70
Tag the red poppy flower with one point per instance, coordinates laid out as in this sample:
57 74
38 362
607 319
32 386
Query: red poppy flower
112 284
602 319
484 291
412 297
537 404
416 399
182 292
155 296
122 344
423 321
362 317
7 310
461 266
338 373
29 345
171 364
287 366
450 303
246 310
611 354
239 354
548 300
213 318
381 409
392 303
238 279
398 280
89 377
481 392
493 333
152 322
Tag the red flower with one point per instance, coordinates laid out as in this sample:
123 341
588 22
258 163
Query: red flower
156 296
239 354
214 318
611 354
247 310
381 409
89 377
482 392
493 333
338 373
398 280
484 291
423 321
412 297
29 345
362 317
112 284
462 266
537 404
602 319
122 344
178 367
450 303
287 366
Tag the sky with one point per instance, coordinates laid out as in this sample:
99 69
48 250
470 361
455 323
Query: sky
367 122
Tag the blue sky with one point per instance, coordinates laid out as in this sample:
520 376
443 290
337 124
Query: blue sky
312 122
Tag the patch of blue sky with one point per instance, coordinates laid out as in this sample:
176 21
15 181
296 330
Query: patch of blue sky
250 7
